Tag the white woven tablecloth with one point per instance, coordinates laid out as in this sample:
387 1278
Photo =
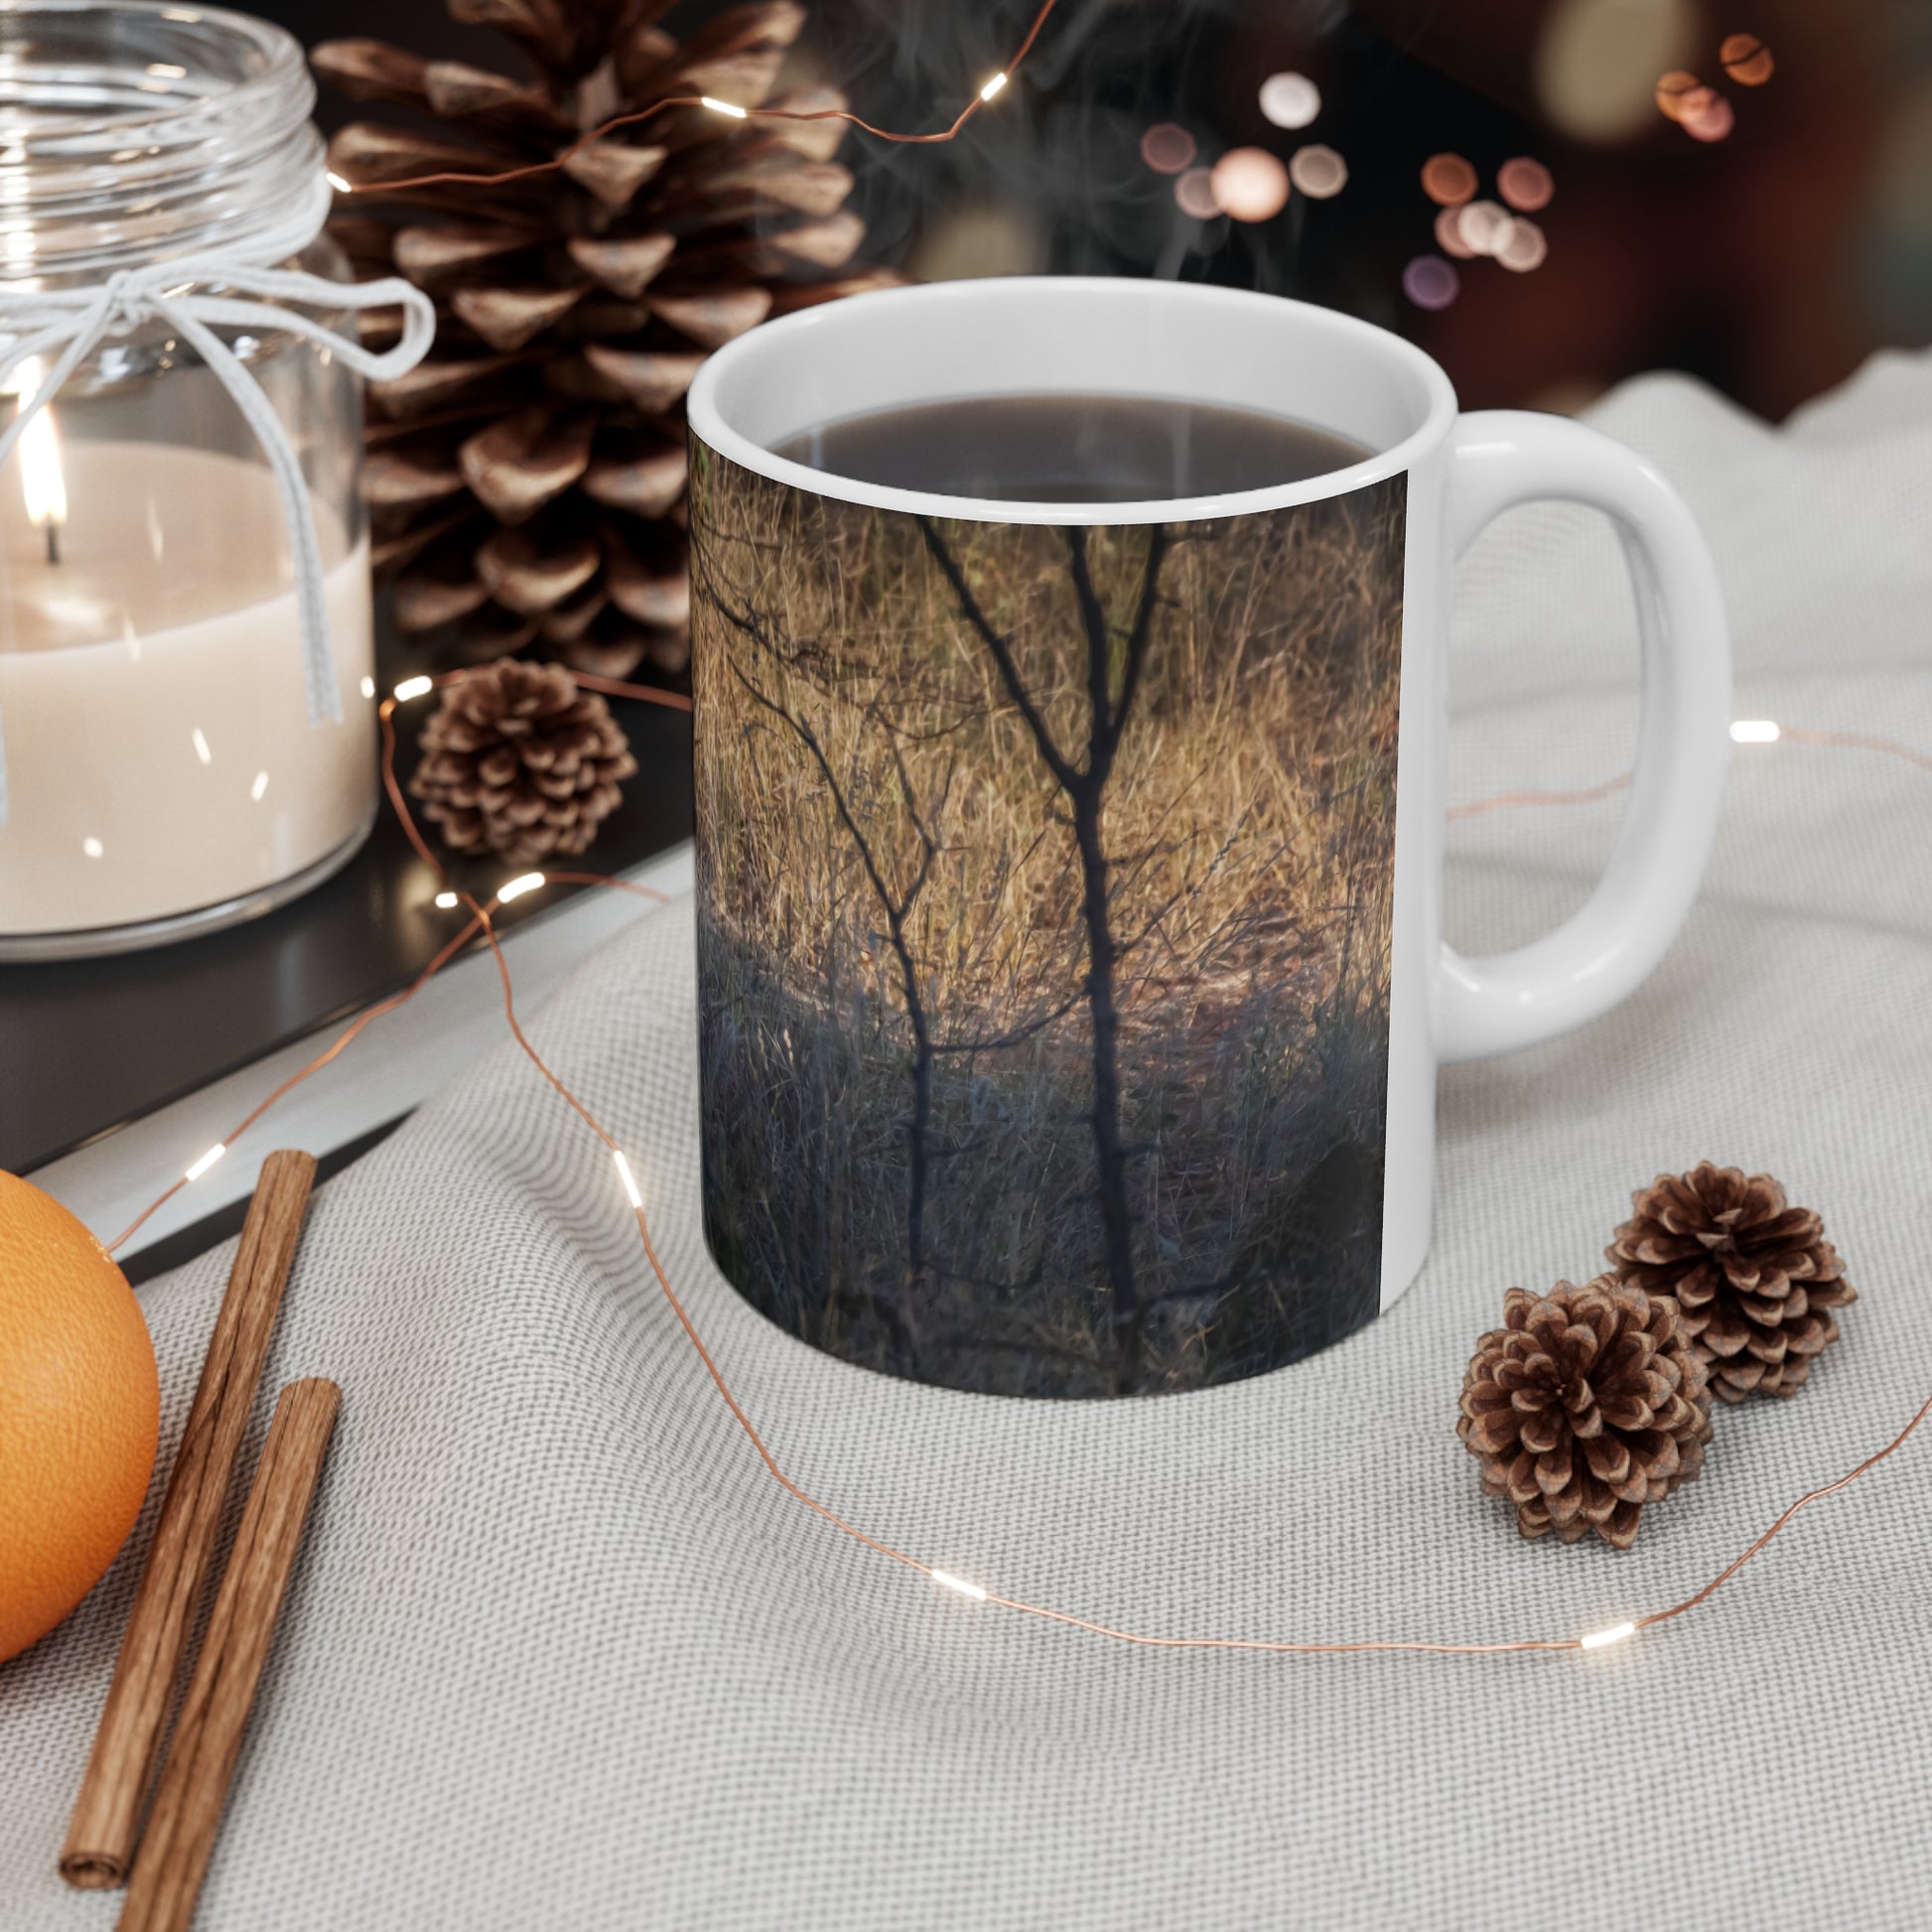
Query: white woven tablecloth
560 1654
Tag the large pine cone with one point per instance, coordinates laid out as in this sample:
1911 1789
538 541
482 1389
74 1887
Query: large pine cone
520 763
527 481
1756 1279
1586 1405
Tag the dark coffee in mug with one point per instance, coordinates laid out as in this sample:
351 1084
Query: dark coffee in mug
1072 449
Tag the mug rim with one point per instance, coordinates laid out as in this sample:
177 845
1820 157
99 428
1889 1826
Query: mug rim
709 426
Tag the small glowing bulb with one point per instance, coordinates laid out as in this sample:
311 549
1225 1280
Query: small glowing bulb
949 1582
413 687
92 848
723 107
526 882
993 87
444 901
629 1181
369 687
1615 1635
206 1161
259 786
1754 731
341 185
201 751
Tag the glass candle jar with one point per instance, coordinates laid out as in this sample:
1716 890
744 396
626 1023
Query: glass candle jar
169 770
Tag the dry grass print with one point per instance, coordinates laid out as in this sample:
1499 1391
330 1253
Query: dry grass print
1044 886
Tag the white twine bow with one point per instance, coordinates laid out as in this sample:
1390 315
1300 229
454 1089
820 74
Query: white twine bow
69 323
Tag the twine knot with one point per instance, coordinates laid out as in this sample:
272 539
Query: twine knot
122 310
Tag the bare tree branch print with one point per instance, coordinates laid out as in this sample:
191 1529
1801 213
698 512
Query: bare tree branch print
895 901
1086 787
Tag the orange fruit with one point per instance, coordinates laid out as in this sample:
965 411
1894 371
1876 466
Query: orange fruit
80 1412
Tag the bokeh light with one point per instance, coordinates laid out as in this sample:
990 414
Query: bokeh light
1691 102
1526 248
1525 185
1249 183
1290 100
1430 283
1672 90
1195 190
1711 119
1448 234
1447 178
1900 258
1746 59
1595 63
1167 148
1317 171
1485 228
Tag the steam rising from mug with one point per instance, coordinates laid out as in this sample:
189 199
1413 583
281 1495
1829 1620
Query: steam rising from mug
1055 179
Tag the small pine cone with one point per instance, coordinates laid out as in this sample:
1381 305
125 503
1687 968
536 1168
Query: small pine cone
520 763
1586 1404
1757 1279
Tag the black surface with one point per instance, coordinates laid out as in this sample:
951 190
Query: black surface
199 1236
86 1046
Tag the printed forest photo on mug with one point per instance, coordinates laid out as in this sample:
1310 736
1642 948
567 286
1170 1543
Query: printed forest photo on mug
1044 886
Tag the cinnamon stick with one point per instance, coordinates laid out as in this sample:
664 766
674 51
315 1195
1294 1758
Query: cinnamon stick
180 1839
107 1814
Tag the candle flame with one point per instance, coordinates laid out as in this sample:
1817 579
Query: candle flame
42 480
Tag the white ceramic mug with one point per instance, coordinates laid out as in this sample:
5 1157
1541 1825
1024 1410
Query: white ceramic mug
870 1180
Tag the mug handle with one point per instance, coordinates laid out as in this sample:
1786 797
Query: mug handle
1492 1005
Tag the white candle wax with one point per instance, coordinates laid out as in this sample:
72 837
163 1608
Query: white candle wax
152 698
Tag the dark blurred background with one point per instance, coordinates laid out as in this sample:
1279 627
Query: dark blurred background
1769 260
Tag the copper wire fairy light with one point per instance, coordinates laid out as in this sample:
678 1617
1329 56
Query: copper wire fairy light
1507 800
988 91
1450 181
481 922
1744 731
